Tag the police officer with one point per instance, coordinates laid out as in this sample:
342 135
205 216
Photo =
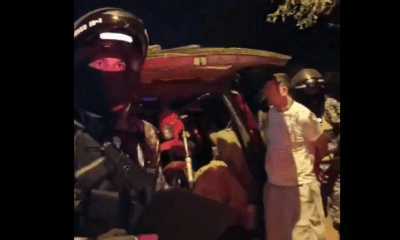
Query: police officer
310 84
309 89
110 47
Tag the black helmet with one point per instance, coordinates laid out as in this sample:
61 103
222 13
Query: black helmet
101 26
307 76
110 33
310 90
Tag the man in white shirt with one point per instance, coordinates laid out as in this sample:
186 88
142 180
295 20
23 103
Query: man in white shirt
296 145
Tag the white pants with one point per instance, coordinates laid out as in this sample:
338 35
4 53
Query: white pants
294 213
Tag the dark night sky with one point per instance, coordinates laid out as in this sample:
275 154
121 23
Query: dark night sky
229 23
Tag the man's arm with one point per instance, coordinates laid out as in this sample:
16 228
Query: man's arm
321 150
321 147
313 132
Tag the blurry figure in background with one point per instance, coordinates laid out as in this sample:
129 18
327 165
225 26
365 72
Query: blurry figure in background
332 114
170 125
310 90
173 150
331 127
226 178
295 145
228 149
171 128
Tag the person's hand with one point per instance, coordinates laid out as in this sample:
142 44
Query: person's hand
319 173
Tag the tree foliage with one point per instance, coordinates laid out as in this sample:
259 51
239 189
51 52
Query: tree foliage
305 12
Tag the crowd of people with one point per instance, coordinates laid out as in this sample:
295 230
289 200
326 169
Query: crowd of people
300 128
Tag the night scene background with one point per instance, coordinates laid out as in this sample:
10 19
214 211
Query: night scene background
231 23
236 23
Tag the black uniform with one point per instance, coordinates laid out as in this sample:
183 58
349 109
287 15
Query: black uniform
99 152
99 161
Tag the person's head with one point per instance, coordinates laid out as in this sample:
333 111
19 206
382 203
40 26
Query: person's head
110 46
170 125
277 90
175 174
308 80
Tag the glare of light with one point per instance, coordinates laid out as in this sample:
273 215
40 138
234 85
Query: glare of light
117 108
149 99
300 86
310 80
116 36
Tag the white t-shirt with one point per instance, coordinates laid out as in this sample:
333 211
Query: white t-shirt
290 157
